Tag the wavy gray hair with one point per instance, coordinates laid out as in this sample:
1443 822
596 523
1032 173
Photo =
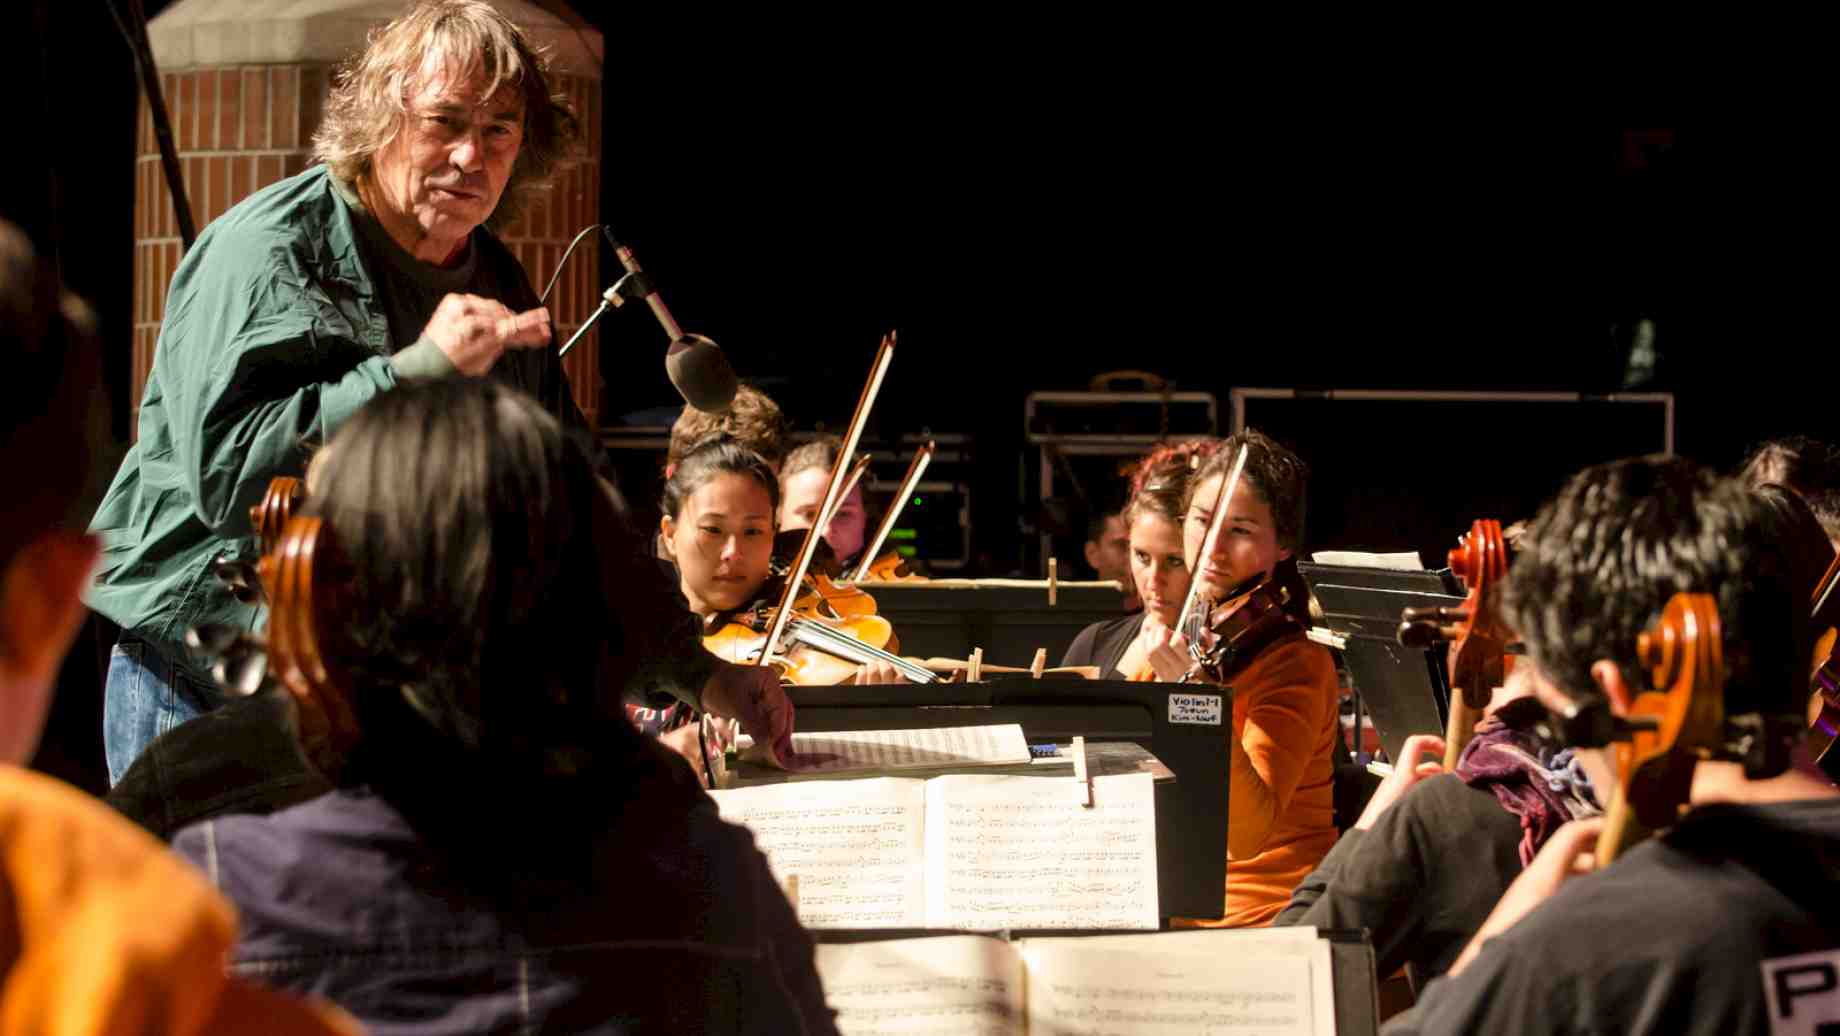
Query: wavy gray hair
368 105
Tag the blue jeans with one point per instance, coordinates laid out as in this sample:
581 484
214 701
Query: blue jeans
145 696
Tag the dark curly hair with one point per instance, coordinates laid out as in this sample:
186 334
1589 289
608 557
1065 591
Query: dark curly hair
752 419
1281 478
1600 561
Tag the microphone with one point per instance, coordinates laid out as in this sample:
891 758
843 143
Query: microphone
697 367
700 372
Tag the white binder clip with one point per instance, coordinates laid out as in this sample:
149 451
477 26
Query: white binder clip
1082 778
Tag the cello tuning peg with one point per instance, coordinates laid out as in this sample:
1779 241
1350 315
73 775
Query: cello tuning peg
242 672
213 638
239 576
1419 633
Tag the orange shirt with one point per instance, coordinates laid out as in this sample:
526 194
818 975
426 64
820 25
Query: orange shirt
103 930
1280 794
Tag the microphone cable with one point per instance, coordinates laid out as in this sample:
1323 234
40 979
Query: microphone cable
543 299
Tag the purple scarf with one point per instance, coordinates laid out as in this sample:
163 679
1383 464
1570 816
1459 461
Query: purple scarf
1531 778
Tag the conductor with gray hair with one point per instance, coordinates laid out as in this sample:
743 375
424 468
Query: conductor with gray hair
373 268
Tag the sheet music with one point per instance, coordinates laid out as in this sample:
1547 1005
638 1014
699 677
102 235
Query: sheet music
1295 943
1079 990
961 985
874 751
1023 852
856 846
1402 561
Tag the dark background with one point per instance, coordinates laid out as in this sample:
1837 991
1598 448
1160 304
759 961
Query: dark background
1030 208
1029 215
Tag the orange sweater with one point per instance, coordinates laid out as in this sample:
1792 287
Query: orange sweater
1280 796
103 930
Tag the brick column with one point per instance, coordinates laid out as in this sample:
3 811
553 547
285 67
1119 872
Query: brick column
245 84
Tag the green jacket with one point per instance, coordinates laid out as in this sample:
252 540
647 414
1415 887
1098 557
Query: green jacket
274 334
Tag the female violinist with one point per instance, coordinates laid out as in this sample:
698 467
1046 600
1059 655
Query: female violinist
1159 572
1286 723
718 524
803 480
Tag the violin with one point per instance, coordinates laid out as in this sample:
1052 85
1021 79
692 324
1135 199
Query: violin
1824 675
1477 636
1224 638
890 568
1669 729
832 621
827 647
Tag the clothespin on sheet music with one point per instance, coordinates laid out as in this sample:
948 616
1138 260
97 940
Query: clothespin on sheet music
792 891
1053 580
1327 637
1040 662
1082 778
974 666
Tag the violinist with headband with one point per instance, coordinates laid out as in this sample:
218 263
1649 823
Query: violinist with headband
1286 724
1153 522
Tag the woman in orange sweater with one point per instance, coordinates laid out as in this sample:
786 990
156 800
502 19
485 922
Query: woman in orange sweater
1280 801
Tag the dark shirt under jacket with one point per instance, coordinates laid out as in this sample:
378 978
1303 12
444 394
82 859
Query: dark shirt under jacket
1421 880
1668 940
1103 643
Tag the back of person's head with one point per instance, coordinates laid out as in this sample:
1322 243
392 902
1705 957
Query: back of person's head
479 623
51 433
753 420
1601 560
1810 467
51 428
1280 477
1793 523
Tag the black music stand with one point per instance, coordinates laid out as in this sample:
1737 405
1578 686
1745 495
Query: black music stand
1170 721
1405 690
947 618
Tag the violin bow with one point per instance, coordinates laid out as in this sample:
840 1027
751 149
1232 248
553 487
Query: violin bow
909 482
832 494
849 486
1212 538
